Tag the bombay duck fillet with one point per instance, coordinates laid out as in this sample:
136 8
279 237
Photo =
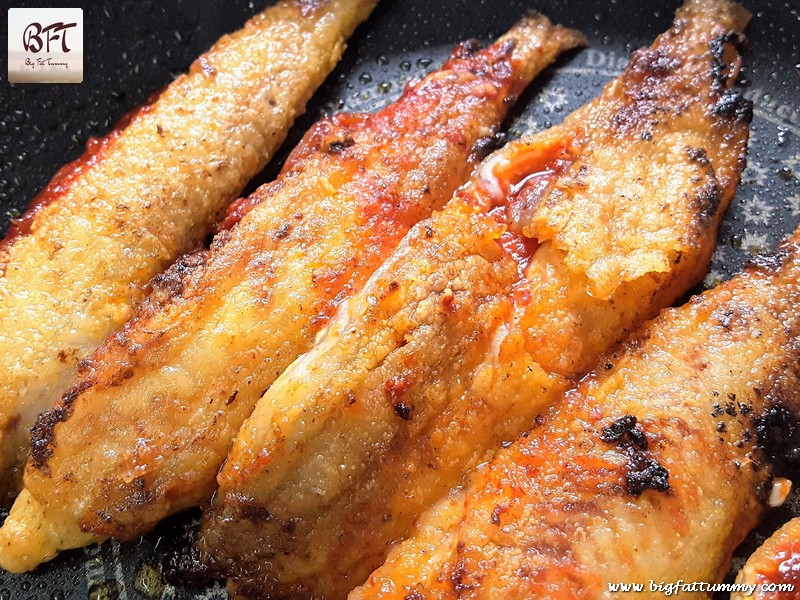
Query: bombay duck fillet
775 563
72 267
656 467
449 350
144 431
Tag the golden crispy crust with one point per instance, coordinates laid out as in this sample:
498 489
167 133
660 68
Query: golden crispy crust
144 431
654 468
776 562
560 244
73 266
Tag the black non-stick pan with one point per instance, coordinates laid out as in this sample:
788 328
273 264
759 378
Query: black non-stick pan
134 47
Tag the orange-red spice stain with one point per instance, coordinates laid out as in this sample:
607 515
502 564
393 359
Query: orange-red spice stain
508 188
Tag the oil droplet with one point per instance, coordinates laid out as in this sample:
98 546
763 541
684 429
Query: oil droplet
405 65
382 60
148 581
365 78
424 63
384 87
105 590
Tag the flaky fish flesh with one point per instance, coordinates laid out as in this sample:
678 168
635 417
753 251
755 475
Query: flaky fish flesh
144 431
484 316
652 470
75 264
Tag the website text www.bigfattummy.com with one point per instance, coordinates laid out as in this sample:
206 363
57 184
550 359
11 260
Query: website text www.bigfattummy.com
676 587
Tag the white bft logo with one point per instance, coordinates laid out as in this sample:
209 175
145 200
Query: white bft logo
45 45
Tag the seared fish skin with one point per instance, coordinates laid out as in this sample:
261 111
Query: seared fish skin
654 468
144 431
79 259
448 350
776 562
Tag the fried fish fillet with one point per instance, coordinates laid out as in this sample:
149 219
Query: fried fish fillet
652 469
774 567
73 266
480 319
144 431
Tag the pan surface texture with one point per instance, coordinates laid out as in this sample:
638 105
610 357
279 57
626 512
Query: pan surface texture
135 47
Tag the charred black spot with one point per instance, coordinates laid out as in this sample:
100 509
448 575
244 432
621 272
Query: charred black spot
726 318
104 516
718 46
496 513
486 145
778 434
290 526
338 146
623 431
646 473
457 578
140 495
428 231
170 284
252 510
650 61
43 431
403 410
231 398
707 202
466 49
698 155
642 472
733 105
415 595
282 231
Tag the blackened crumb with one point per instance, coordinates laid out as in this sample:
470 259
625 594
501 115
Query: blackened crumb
647 474
624 431
336 147
403 410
